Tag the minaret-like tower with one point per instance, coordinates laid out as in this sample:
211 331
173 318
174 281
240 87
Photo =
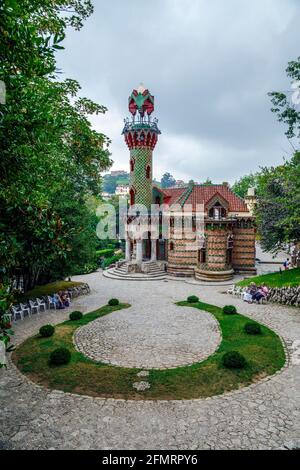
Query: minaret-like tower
141 135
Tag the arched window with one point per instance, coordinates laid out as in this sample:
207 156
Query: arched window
217 211
171 246
148 170
132 196
131 164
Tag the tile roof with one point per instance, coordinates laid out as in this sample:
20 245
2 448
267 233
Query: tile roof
202 194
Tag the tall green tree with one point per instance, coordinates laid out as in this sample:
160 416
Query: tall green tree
240 187
287 106
51 158
278 209
167 181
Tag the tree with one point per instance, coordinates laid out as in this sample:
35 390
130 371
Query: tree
208 182
240 187
110 184
51 158
278 209
167 181
286 109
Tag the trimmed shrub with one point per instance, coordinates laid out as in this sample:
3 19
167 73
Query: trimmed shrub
192 299
76 315
113 302
229 310
46 331
234 360
60 356
252 328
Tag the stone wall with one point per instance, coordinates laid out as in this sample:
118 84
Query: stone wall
285 295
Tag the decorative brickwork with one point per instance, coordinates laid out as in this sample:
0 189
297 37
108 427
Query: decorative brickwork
142 158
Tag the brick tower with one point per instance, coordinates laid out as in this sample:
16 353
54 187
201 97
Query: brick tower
141 136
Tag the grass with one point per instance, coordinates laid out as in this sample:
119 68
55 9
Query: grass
264 354
48 289
291 277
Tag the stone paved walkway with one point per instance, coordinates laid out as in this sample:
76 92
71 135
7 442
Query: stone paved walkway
149 337
263 416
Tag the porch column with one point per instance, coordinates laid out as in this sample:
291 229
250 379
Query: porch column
127 250
153 250
139 251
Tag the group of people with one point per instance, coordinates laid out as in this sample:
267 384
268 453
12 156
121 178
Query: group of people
61 299
255 293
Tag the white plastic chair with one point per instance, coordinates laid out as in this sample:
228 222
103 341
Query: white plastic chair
34 308
25 310
41 304
16 312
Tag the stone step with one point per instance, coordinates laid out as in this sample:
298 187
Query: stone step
109 273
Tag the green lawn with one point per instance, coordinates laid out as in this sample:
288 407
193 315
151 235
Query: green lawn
48 289
264 354
291 277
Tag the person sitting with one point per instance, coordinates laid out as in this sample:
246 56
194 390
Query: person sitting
261 293
250 292
65 299
58 301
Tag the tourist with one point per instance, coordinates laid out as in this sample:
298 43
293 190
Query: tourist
261 293
65 299
58 301
249 293
286 264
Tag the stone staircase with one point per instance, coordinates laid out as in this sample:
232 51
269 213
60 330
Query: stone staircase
151 271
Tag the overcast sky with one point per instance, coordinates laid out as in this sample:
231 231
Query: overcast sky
209 64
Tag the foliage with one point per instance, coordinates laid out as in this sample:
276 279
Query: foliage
167 181
252 328
278 209
109 184
229 310
207 182
283 107
59 356
51 158
234 360
192 299
241 186
265 355
48 289
46 331
5 326
76 315
113 302
106 253
291 277
114 259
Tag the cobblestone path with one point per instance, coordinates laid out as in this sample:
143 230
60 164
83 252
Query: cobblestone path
263 416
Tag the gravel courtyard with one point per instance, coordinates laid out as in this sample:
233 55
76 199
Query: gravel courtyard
263 416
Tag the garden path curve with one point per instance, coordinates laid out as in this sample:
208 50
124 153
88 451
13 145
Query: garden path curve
263 416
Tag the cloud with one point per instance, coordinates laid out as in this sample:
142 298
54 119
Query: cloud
210 66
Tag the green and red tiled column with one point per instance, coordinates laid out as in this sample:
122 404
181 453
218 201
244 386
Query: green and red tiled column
141 136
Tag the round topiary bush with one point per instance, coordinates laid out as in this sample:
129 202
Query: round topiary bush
192 299
229 310
234 360
76 315
60 356
113 302
252 328
46 331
